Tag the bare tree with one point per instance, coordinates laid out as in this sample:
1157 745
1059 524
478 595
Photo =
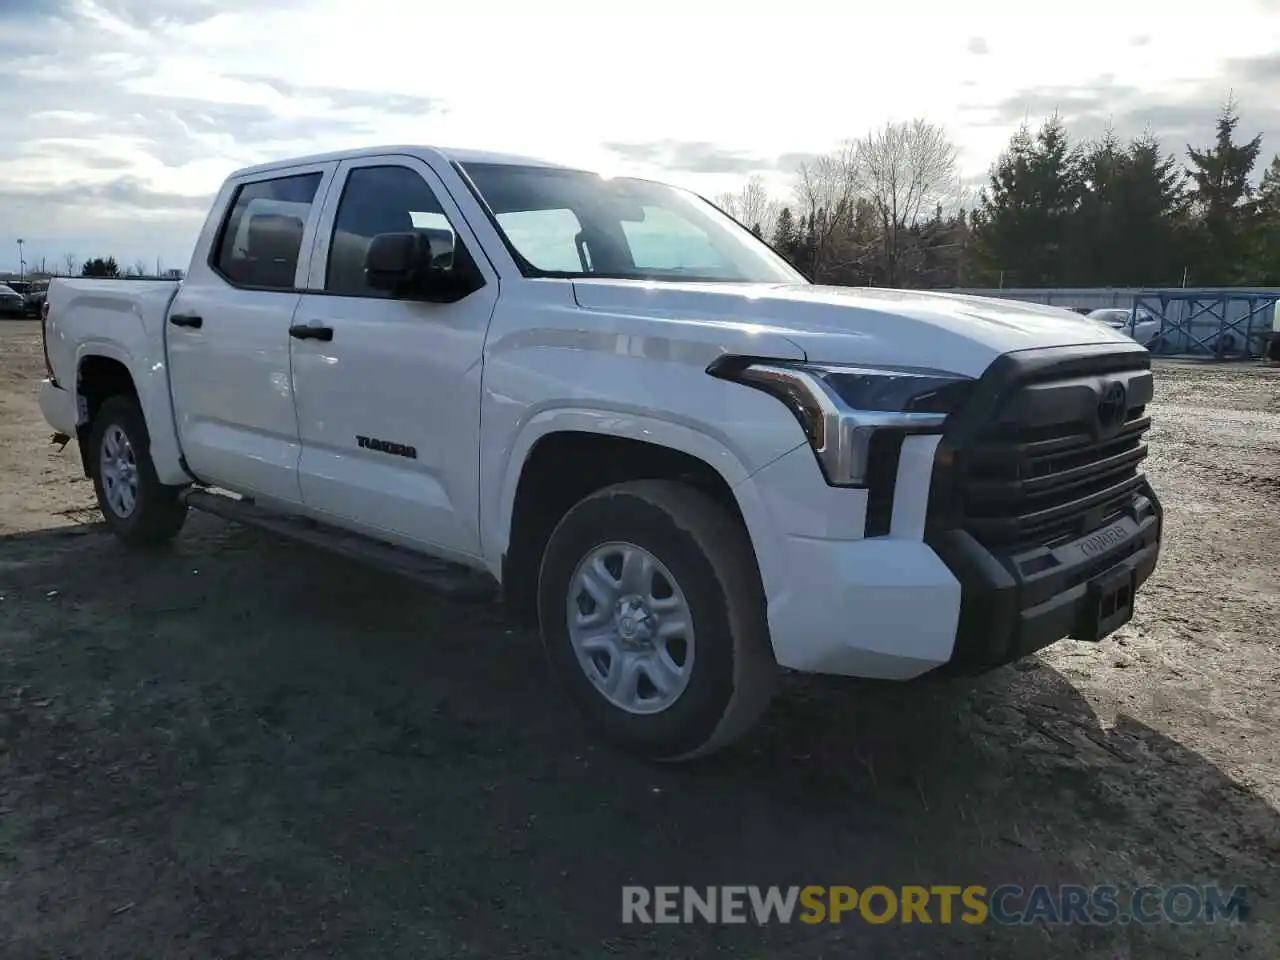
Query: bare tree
825 191
69 261
752 206
904 170
139 268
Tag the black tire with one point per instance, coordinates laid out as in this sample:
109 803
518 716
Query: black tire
709 554
159 511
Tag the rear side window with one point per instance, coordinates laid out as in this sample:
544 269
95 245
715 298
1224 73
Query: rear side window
262 235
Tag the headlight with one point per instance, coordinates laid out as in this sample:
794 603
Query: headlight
842 407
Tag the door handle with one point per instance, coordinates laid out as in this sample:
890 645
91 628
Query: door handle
187 320
306 331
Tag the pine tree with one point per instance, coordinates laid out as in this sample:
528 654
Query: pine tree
1024 219
1269 191
786 238
98 267
1096 236
1221 177
1265 260
1151 208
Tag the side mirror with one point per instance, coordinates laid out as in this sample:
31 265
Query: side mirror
398 262
420 265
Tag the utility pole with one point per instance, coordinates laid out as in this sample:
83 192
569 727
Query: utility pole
22 266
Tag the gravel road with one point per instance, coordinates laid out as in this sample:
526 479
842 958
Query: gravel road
244 748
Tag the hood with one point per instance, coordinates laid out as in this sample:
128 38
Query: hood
943 331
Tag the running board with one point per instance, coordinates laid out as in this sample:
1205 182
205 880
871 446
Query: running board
452 579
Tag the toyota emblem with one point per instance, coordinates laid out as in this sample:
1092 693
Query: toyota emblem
1112 407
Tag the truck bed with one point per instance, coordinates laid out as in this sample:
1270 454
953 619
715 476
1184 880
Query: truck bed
114 321
129 314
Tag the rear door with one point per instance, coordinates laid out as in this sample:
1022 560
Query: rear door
228 334
389 402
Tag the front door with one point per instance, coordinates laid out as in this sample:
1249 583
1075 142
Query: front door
388 402
228 340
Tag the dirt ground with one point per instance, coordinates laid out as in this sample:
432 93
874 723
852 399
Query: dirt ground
243 748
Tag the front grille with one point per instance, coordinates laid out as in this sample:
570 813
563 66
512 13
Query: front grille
1043 473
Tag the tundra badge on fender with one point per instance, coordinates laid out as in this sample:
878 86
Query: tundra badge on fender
386 446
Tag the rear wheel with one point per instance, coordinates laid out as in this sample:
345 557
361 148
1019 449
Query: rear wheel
653 619
138 508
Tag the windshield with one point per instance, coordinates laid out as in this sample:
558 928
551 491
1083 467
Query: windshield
570 223
1111 316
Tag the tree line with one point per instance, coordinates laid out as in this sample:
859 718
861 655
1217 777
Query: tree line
70 266
107 267
887 210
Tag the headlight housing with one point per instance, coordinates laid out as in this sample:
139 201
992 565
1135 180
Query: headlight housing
841 407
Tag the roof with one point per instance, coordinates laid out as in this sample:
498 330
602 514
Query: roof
419 150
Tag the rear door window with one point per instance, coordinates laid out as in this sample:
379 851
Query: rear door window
262 234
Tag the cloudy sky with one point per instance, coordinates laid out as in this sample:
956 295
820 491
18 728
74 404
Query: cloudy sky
118 118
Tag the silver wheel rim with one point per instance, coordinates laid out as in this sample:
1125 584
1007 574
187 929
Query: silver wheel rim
630 627
119 472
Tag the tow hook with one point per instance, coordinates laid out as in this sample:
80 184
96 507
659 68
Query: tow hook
61 439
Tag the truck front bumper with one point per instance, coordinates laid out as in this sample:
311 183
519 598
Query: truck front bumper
1084 589
891 608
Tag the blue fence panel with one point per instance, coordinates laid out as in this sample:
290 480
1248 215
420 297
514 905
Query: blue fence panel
1219 322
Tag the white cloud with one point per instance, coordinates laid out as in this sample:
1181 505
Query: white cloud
121 116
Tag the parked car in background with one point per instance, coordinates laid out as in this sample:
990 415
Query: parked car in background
12 303
1138 324
36 294
33 293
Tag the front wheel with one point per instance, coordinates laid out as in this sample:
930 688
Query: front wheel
653 618
138 508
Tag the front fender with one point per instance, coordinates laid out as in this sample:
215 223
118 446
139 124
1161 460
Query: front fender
756 512
550 368
734 467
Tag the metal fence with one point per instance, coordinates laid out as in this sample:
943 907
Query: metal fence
1219 321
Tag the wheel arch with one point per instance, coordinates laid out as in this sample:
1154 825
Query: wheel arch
105 369
100 375
539 491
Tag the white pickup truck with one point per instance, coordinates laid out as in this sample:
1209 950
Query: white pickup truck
682 462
